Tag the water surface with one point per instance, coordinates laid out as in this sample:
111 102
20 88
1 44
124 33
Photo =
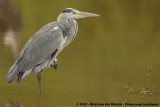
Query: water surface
109 52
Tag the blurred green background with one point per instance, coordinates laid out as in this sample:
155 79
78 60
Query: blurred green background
107 53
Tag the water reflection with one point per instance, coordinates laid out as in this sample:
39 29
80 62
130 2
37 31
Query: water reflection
39 99
9 103
10 26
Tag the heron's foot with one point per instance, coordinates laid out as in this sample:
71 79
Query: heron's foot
55 67
55 64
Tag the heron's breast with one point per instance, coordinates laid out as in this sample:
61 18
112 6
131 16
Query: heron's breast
64 39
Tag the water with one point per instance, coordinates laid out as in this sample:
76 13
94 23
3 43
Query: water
109 52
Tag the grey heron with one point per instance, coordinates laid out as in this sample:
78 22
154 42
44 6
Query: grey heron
43 47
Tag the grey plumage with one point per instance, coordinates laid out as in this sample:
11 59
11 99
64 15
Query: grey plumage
37 50
43 47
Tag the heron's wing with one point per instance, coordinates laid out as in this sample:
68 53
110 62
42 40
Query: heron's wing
39 48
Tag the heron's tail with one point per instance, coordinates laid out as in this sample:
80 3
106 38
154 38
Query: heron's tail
13 72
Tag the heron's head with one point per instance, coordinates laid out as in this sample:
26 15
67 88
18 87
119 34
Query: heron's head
70 13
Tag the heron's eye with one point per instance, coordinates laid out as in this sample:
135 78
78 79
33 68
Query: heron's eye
74 12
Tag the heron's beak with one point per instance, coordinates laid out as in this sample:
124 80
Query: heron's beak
86 14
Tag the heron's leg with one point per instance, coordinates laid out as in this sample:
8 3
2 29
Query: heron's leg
39 81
